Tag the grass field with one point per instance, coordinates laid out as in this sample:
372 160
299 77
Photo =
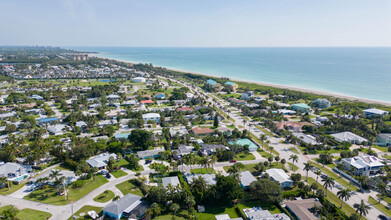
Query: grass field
294 167
202 171
379 206
28 214
336 177
129 187
50 196
104 197
125 164
13 188
85 209
244 156
118 173
294 150
385 198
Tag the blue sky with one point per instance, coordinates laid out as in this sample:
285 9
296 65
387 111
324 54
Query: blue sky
197 23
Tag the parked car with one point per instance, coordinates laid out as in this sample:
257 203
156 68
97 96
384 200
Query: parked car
108 175
323 176
383 217
232 161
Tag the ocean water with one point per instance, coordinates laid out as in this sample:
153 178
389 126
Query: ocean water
357 72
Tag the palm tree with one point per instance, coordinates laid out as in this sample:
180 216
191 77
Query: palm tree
361 208
54 174
174 208
325 157
189 200
156 210
294 159
328 183
213 160
382 188
307 167
317 173
204 162
263 138
343 194
363 181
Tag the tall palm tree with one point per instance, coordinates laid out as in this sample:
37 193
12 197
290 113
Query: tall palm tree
307 167
54 174
363 181
325 157
361 208
263 138
156 210
294 159
317 173
213 160
174 208
203 162
328 183
343 194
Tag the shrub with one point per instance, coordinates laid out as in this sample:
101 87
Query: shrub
78 184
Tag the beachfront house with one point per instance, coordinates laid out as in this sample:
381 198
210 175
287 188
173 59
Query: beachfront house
213 84
321 103
373 112
247 94
232 85
302 107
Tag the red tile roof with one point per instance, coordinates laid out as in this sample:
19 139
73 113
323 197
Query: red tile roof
198 130
185 109
147 102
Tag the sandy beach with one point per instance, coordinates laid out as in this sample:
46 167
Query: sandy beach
336 95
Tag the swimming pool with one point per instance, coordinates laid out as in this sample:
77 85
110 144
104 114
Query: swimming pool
18 179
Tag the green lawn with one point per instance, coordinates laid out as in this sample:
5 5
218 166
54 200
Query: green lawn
50 196
244 156
272 208
384 149
125 164
336 177
294 167
13 188
118 173
385 198
85 209
129 187
379 206
181 215
264 153
250 167
210 212
202 171
334 199
104 197
294 150
28 214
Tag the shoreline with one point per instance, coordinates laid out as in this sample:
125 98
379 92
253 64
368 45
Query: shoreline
336 95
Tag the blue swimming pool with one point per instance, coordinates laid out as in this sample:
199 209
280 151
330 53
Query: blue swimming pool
18 179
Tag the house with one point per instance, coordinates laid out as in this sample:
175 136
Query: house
160 96
213 84
37 97
300 209
138 80
209 149
171 180
258 213
127 206
112 97
103 123
183 150
201 131
57 129
279 176
321 103
47 121
372 112
122 136
210 179
306 138
286 112
147 102
292 125
226 217
100 161
247 94
232 85
302 107
81 124
35 111
179 132
149 153
245 142
349 137
97 138
130 102
246 178
14 172
237 101
251 105
70 176
384 139
151 117
7 115
322 118
185 109
363 165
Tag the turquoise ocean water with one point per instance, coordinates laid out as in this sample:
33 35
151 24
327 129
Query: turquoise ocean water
357 72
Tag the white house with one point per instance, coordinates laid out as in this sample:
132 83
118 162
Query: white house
151 116
171 180
384 139
138 79
247 94
349 137
14 171
321 103
246 178
363 165
113 97
57 129
279 175
100 161
369 113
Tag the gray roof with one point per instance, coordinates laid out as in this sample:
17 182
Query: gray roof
100 160
210 179
246 178
13 168
148 153
171 180
124 204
